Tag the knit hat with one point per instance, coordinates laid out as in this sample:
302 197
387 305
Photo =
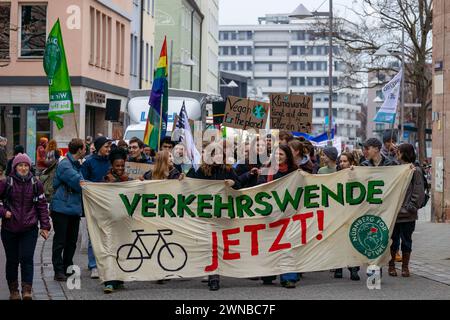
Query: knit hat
331 152
100 142
21 158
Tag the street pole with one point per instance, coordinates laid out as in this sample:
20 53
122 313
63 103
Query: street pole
402 108
171 63
330 75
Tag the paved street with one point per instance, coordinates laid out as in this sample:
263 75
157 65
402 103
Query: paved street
430 266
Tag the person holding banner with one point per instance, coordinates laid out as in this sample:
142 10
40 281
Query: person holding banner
94 169
286 164
164 168
374 156
117 157
389 149
249 177
214 167
181 160
347 161
406 218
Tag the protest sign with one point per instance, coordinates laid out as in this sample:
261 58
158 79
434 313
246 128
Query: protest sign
291 112
151 230
241 113
135 170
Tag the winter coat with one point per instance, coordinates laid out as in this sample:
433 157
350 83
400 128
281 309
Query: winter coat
306 164
142 159
218 173
414 198
95 168
26 213
67 197
113 178
173 174
263 178
384 162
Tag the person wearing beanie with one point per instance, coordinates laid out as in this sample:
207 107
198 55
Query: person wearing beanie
94 169
330 155
389 149
17 149
374 156
23 210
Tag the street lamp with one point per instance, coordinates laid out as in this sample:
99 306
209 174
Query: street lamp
381 52
301 13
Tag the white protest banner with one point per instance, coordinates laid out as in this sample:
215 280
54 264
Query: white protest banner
391 92
149 230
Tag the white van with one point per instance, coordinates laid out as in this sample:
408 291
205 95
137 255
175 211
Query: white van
138 107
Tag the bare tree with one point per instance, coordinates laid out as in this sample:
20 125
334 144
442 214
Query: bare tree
380 24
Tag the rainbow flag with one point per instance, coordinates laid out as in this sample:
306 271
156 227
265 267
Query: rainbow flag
159 101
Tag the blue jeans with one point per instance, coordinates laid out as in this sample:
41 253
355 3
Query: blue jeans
292 277
403 231
91 257
19 249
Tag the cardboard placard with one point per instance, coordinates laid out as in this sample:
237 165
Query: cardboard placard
135 170
291 112
241 113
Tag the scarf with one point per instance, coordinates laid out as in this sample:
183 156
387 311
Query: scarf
281 168
112 177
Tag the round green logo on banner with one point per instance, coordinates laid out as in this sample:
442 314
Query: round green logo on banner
52 59
370 236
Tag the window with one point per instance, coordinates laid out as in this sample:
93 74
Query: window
270 82
225 51
335 81
317 111
147 56
270 67
310 82
310 65
293 81
301 81
233 51
270 51
249 35
151 64
33 30
241 51
103 66
5 13
233 36
233 66
153 9
132 55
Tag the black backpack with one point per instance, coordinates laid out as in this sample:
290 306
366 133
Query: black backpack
426 190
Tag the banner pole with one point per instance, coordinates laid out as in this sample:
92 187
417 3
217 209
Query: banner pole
76 125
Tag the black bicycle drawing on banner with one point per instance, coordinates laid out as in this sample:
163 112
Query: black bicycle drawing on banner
171 256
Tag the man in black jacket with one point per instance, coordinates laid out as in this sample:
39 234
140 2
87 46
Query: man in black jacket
374 156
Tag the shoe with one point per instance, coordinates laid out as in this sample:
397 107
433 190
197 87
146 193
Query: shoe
354 275
289 284
398 257
267 282
391 270
14 293
108 289
94 273
338 273
119 285
27 291
214 285
405 264
60 277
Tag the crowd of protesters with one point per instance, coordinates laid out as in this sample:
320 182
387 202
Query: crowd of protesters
24 208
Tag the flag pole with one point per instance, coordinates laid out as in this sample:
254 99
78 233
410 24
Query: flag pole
76 125
160 125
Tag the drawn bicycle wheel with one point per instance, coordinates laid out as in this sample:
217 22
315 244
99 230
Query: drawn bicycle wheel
129 258
172 257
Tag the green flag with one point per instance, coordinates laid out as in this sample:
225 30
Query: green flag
55 66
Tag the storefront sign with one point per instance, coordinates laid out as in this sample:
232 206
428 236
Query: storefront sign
95 97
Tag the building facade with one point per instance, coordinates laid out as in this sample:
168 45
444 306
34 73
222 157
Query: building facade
135 44
441 112
148 43
191 27
280 55
96 39
210 47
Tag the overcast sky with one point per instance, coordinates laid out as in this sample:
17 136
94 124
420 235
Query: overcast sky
248 11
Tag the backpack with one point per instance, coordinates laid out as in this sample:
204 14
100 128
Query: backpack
426 190
47 176
8 191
